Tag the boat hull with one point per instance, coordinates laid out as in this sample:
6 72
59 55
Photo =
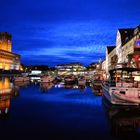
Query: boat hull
108 94
81 82
125 98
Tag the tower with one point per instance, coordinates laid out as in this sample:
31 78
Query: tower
6 41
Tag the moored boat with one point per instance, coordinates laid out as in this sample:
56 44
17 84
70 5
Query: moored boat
97 87
47 79
70 79
81 81
97 83
123 88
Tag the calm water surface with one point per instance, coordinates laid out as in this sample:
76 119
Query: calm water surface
29 111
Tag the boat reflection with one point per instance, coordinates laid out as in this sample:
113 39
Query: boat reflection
7 91
22 84
96 91
69 86
46 86
82 88
125 120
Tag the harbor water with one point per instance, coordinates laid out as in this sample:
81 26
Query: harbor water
54 111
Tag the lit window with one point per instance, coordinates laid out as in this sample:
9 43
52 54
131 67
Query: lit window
137 42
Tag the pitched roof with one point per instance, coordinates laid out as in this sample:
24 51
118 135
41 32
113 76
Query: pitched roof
110 49
126 34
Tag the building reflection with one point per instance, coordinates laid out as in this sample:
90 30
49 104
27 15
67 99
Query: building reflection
5 86
4 105
125 121
7 91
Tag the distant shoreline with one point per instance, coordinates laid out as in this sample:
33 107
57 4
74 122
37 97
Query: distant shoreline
9 75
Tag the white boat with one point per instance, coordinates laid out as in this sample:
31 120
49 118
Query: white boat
122 87
70 79
81 81
87 77
35 78
47 79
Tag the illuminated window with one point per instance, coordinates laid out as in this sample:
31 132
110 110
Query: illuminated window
137 42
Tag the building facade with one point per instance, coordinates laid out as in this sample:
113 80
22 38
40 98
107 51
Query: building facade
111 58
71 68
127 49
128 46
104 65
8 60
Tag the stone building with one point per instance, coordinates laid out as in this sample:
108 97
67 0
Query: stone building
8 60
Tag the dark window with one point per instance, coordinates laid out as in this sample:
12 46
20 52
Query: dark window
137 49
122 92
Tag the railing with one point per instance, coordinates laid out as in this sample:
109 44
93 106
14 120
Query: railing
122 83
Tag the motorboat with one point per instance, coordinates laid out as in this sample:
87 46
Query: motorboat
97 83
47 79
58 79
123 86
35 76
70 79
87 77
81 81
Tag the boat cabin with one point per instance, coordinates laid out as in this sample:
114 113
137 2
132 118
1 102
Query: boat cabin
125 77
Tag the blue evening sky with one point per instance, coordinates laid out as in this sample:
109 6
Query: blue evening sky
53 32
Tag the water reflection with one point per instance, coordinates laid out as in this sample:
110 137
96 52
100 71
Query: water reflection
125 120
46 86
4 105
5 86
82 88
7 91
21 84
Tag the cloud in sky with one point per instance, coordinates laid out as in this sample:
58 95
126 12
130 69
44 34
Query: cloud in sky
54 32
